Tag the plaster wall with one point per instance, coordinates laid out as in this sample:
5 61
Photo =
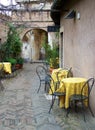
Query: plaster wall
79 41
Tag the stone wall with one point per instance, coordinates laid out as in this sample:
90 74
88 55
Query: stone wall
3 27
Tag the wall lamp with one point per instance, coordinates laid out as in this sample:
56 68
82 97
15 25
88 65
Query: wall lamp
70 15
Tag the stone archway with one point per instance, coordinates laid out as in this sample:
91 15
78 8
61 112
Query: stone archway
26 49
32 44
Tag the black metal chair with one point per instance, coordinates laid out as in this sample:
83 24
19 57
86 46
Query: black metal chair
2 72
46 65
69 74
43 77
1 85
1 76
55 93
14 71
80 98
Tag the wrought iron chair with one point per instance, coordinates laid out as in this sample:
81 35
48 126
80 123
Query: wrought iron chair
43 77
69 74
1 85
46 64
1 76
55 93
2 72
14 70
76 98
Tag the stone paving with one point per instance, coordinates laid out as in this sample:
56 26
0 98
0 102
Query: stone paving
22 108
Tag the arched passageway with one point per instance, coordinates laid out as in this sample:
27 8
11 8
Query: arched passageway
32 44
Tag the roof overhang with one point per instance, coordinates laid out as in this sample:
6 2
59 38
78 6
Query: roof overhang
55 11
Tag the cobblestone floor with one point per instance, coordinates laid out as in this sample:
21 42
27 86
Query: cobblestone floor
22 108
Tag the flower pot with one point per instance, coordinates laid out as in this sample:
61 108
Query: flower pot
19 66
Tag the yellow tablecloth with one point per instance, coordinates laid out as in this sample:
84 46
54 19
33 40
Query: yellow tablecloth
7 66
71 86
63 74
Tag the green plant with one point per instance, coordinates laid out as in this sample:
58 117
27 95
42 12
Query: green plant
11 60
20 60
52 54
47 51
12 47
54 60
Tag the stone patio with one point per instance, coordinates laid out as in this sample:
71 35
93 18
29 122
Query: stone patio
22 108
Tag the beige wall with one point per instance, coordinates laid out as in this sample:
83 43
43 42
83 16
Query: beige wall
79 41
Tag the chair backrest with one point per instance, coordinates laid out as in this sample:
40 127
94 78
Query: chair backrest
46 64
50 82
41 72
69 73
59 72
1 66
1 70
89 84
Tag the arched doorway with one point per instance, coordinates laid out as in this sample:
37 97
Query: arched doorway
26 49
32 48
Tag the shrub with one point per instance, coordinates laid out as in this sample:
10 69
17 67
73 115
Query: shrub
11 60
20 60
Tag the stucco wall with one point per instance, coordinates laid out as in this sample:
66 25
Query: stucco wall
79 41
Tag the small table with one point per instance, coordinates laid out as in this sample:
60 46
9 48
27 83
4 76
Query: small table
71 86
7 66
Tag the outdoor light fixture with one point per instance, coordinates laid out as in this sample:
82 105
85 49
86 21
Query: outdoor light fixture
78 16
70 15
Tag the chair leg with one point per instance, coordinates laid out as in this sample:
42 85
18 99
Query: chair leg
45 87
1 86
83 107
68 111
91 110
75 106
39 87
53 100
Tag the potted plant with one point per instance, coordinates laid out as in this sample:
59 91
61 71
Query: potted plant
52 55
12 46
20 62
11 60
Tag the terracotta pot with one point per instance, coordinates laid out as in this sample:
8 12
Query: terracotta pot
19 66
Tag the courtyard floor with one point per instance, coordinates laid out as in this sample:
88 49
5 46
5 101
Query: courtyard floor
22 108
